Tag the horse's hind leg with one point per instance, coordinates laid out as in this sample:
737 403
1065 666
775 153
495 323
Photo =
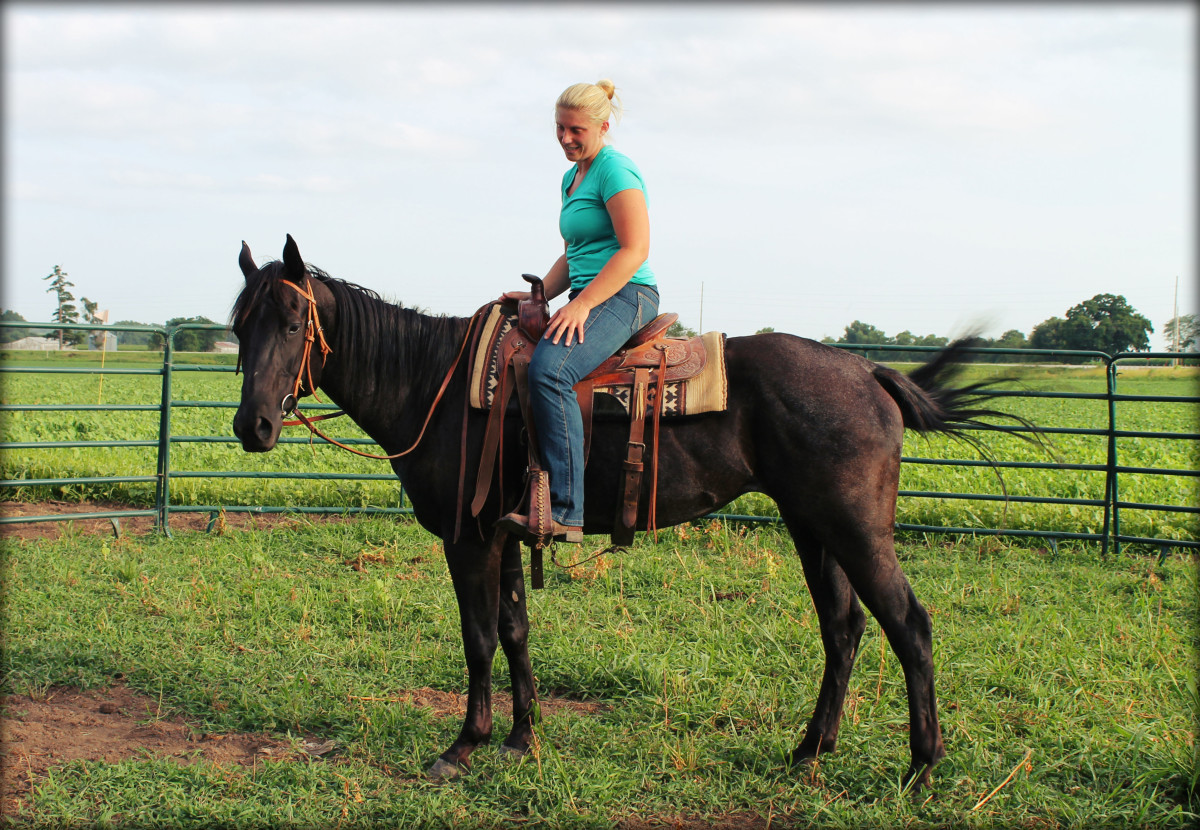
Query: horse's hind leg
514 639
884 589
842 622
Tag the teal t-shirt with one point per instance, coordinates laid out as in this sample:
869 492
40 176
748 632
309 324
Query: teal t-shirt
584 221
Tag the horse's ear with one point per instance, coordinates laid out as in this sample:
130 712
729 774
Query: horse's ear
293 265
249 269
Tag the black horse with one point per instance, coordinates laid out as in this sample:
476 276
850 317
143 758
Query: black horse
818 429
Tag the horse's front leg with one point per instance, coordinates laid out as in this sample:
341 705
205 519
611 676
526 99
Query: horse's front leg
514 639
475 572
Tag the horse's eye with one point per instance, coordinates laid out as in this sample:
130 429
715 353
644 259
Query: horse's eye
293 328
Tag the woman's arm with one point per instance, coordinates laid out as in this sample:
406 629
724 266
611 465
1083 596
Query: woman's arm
631 222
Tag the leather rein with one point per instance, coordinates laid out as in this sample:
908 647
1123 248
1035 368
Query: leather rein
314 333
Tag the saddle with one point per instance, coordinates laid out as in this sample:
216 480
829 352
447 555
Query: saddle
649 376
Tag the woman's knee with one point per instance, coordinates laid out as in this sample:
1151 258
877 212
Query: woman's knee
546 371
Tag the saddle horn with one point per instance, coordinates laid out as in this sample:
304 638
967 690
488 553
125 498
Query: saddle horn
533 315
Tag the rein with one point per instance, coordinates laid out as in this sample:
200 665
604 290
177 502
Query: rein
314 333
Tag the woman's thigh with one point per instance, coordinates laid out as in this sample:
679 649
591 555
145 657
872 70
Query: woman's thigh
608 328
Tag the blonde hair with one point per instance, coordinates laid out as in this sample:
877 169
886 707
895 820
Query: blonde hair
599 100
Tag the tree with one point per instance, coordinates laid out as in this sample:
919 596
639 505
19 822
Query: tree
194 340
907 338
859 332
90 316
1107 323
1050 334
89 311
138 338
1012 339
1189 332
8 335
678 329
65 312
765 330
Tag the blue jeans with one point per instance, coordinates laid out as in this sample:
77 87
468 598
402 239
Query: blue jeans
555 368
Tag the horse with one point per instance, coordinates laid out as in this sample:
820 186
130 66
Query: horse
816 428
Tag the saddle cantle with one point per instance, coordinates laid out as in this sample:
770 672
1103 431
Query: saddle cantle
650 376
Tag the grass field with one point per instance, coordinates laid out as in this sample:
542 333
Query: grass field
196 457
1073 676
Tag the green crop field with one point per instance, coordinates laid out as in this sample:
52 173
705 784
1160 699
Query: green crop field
1067 685
210 385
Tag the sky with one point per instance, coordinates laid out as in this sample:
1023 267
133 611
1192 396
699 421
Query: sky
937 168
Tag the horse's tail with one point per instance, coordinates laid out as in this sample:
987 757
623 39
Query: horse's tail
929 403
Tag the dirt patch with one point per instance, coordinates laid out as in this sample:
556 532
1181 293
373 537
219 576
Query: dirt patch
133 525
117 724
110 725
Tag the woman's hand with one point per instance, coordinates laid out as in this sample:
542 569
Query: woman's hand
569 320
514 296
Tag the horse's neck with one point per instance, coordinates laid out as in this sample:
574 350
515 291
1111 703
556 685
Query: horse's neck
398 395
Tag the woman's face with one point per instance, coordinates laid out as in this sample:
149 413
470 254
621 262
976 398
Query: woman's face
580 138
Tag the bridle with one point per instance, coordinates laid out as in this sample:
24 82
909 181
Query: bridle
314 333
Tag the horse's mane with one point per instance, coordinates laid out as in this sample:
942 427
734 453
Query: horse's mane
376 340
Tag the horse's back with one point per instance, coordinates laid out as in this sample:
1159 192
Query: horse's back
810 385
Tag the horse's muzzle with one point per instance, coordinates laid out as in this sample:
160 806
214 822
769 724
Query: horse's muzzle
256 431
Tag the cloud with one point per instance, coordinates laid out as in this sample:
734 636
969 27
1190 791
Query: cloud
318 185
162 180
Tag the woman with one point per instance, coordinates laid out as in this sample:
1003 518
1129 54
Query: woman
606 233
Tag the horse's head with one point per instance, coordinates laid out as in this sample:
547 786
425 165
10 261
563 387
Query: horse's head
280 343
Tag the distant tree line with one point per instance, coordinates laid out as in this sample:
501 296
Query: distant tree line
859 333
188 340
1105 323
8 335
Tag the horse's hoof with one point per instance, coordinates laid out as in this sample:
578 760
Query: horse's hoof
917 781
443 770
511 752
802 762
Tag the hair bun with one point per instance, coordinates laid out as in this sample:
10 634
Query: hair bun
598 100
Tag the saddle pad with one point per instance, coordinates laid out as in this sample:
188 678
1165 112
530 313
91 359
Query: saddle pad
485 361
706 392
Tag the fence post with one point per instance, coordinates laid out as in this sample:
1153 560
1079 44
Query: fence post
1112 529
162 494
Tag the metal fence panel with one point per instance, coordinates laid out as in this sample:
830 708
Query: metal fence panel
1111 504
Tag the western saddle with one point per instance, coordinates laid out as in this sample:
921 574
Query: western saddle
645 364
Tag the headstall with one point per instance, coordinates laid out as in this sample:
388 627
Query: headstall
313 332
